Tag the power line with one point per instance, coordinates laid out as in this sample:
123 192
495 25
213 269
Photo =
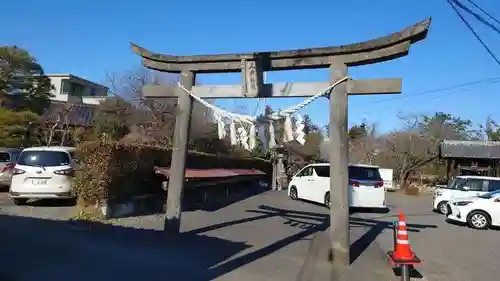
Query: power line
482 10
477 16
428 98
449 94
474 32
492 80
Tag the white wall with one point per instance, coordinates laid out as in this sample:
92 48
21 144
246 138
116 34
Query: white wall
93 100
56 83
101 91
324 149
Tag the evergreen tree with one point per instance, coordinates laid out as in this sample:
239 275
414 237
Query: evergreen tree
23 84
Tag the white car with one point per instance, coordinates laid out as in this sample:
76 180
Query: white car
42 172
312 183
463 186
479 212
387 176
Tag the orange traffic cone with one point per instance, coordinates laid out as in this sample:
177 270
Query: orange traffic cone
403 249
402 253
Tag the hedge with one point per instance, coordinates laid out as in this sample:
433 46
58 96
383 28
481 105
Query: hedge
118 171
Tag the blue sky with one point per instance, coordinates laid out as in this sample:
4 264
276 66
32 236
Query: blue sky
88 38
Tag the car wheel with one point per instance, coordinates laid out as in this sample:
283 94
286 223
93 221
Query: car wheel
293 193
328 203
478 220
20 201
443 207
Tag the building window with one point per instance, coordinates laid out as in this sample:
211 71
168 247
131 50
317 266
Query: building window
93 92
76 89
65 86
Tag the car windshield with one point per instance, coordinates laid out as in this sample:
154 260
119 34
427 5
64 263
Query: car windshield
457 183
489 195
4 157
364 173
322 171
355 173
44 158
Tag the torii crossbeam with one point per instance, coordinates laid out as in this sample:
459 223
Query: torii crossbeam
252 66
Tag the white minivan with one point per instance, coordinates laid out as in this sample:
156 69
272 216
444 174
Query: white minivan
43 172
366 187
462 187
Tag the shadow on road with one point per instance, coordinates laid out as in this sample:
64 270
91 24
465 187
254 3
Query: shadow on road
204 198
39 249
210 199
52 203
368 260
355 210
375 228
414 273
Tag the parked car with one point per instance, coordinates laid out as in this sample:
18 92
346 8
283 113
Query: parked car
312 183
43 172
8 159
479 212
388 178
463 186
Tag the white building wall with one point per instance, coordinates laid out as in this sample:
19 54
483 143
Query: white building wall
56 83
93 100
100 91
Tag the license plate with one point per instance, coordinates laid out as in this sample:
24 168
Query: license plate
39 181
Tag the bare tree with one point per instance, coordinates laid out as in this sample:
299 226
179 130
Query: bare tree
77 134
57 124
405 152
363 150
156 117
364 145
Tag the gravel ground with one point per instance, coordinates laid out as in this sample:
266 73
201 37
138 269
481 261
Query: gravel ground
450 252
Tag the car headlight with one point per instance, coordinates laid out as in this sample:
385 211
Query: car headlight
462 203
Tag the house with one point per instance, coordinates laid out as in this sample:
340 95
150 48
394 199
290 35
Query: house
67 114
481 158
73 89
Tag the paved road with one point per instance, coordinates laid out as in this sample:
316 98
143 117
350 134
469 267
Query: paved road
47 209
261 238
450 252
264 237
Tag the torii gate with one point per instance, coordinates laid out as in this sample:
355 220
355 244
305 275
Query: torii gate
252 66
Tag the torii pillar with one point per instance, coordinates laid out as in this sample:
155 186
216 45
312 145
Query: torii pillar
252 66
